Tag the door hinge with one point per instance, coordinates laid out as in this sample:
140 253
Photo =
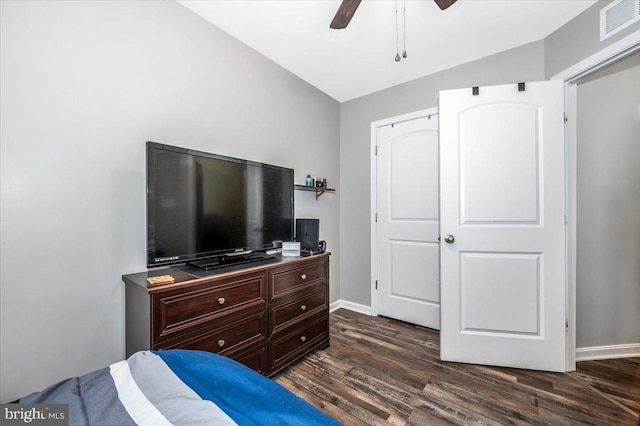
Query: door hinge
376 284
375 148
566 118
566 324
376 217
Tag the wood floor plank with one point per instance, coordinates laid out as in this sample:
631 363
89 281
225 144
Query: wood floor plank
345 388
343 412
379 371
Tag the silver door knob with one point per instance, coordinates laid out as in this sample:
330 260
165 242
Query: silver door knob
449 239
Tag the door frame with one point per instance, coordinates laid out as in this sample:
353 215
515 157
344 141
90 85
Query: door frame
374 190
570 76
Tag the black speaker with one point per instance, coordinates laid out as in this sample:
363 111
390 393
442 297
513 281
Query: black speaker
307 233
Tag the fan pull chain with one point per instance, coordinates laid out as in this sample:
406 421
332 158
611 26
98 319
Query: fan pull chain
404 32
404 28
397 36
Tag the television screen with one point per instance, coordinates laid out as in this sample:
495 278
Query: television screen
203 205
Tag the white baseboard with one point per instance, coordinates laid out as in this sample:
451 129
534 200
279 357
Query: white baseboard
608 352
351 306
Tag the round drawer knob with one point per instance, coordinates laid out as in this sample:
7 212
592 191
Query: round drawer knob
303 307
221 300
303 276
221 343
303 338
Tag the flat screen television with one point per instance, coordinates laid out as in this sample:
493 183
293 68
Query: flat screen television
211 209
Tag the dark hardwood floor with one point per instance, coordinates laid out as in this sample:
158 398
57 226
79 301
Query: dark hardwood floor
382 371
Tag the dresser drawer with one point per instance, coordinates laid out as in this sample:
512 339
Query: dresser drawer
291 310
300 341
247 330
178 312
289 279
255 357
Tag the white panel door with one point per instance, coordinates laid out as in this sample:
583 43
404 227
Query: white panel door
408 258
502 187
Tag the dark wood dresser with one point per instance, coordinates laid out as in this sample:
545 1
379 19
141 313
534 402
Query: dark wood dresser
265 316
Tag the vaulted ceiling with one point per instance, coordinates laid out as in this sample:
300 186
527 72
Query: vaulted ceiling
359 59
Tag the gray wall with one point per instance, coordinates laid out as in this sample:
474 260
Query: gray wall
608 196
607 287
525 63
579 39
84 85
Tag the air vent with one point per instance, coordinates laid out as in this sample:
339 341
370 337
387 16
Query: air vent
617 16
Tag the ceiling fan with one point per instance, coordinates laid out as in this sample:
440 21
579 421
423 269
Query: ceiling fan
348 8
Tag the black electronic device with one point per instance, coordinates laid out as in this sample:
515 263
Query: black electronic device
322 247
307 232
207 206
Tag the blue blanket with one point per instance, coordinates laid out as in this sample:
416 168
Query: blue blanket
179 387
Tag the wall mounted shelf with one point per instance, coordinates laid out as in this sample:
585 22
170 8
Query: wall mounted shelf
319 190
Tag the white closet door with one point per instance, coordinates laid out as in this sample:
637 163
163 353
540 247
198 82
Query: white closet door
502 162
408 222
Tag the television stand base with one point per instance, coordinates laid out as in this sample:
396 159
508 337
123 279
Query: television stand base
230 260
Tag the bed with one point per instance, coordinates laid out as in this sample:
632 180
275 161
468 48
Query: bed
179 387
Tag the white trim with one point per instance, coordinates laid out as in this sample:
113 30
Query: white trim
616 51
608 352
374 179
351 306
571 228
601 59
404 117
372 216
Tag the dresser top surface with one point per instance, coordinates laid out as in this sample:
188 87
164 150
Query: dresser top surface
183 274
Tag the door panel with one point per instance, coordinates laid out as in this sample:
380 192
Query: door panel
410 261
489 197
408 257
502 200
412 162
487 281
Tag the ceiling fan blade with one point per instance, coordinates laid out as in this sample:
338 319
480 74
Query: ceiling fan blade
344 14
443 4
